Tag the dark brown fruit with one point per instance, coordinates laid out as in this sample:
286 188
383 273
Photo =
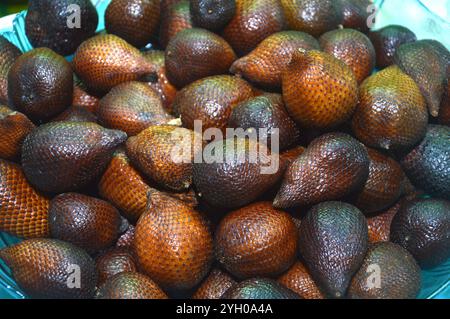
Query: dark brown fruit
114 261
380 224
265 64
176 18
214 286
84 221
333 242
236 172
312 16
298 279
290 155
399 274
130 285
40 84
212 14
444 109
356 14
14 127
193 54
319 90
173 243
259 288
211 100
135 21
84 99
256 240
76 114
127 238
23 210
422 227
106 60
59 24
428 164
65 156
253 21
48 268
392 113
8 54
387 40
132 107
353 48
334 165
266 112
167 4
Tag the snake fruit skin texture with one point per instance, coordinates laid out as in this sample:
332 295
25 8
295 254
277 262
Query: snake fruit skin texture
214 286
84 99
430 76
211 100
76 114
391 113
266 112
355 14
40 84
319 90
353 48
259 288
46 24
23 210
8 54
380 224
314 17
130 285
444 110
135 21
291 155
253 21
173 243
14 127
334 165
114 261
333 242
44 267
193 54
174 19
400 274
84 221
126 239
256 241
428 164
65 156
298 279
265 64
423 227
132 107
212 14
106 60
237 178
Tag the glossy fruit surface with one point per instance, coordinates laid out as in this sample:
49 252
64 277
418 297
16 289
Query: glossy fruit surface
174 19
299 280
8 54
114 261
259 288
357 14
214 286
212 14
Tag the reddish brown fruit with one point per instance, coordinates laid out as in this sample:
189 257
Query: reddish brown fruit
356 14
173 243
174 19
8 54
84 99
135 21
23 210
76 114
290 155
392 113
298 279
167 4
380 224
319 90
193 54
114 261
265 64
214 286
127 238
253 21
444 109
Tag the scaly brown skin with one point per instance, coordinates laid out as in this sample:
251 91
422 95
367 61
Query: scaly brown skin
76 114
253 21
84 99
380 224
43 267
135 21
353 48
14 127
291 155
173 243
8 54
40 84
264 238
298 279
106 60
355 14
213 15
319 90
130 285
114 261
259 288
399 274
265 64
392 113
174 19
23 210
444 109
214 286
314 17
193 54
127 238
334 165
